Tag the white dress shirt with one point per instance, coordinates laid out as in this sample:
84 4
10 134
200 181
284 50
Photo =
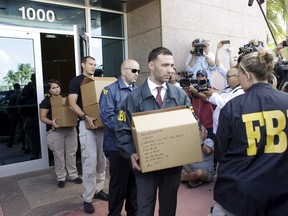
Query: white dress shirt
220 100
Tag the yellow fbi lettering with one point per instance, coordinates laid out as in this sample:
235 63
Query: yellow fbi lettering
105 91
266 118
191 109
121 116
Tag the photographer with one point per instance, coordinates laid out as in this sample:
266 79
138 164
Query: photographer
196 174
202 108
200 58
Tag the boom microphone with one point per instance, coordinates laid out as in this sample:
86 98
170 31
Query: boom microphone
250 3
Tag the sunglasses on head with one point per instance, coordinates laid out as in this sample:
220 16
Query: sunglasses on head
133 70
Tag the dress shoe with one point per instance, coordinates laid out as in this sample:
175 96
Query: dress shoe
101 195
88 207
61 184
77 180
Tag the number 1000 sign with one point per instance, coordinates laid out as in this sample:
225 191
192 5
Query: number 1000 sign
40 14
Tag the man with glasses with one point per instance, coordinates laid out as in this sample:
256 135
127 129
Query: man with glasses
205 61
122 184
221 99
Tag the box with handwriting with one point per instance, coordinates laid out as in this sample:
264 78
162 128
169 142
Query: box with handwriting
166 138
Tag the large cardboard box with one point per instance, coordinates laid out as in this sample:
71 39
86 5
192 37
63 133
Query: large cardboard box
166 138
93 111
65 117
91 89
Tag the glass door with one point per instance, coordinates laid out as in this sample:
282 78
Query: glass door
21 143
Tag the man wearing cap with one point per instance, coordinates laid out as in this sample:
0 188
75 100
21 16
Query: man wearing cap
206 61
202 108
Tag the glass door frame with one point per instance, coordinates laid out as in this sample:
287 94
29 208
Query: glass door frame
34 34
81 47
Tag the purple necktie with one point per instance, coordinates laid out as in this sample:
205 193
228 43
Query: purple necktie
158 97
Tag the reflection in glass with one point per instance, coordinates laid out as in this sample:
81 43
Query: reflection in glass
109 55
106 24
108 4
19 127
79 2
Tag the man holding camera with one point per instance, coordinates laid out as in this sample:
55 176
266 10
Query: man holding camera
200 58
202 108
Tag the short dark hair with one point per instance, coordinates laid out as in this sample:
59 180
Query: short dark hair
16 86
51 81
84 59
158 51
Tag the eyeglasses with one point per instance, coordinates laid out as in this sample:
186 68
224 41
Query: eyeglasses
133 70
227 76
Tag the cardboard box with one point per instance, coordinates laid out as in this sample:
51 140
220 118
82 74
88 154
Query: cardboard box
65 117
166 138
93 111
91 89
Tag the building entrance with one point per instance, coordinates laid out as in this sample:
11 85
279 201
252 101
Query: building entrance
58 59
28 60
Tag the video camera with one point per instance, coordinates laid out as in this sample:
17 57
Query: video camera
203 85
252 46
198 46
281 71
186 80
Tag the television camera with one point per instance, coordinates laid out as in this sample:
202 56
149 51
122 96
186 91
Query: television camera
186 80
252 46
198 46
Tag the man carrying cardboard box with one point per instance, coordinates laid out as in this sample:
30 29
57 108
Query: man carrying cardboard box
122 184
156 93
91 140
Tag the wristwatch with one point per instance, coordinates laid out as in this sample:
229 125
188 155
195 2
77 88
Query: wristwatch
83 117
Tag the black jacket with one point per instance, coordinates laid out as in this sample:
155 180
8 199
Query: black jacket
252 153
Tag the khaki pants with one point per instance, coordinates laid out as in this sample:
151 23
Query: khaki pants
63 143
93 161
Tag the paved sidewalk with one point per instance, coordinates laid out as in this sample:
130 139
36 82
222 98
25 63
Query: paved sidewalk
37 194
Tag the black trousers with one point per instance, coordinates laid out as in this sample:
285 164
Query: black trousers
166 182
122 186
